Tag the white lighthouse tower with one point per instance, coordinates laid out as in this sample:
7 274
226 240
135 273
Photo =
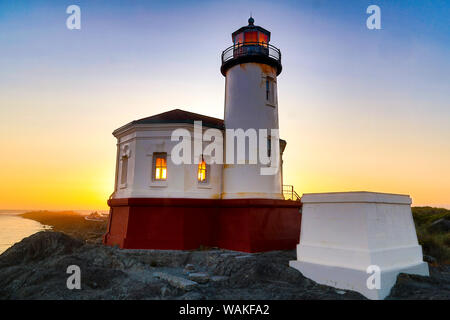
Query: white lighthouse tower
251 66
237 205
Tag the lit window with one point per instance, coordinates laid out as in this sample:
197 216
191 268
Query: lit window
159 166
262 39
201 175
239 39
251 37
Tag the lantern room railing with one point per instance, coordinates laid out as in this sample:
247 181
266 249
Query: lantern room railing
251 49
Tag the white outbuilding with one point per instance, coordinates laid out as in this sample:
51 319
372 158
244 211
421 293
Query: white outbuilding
358 241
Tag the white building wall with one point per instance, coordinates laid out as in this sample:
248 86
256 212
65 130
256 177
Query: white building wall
344 233
181 182
246 107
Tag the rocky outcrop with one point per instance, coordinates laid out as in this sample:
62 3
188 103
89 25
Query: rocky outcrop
177 282
199 277
36 268
437 286
39 246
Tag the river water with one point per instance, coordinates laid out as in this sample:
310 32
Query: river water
13 228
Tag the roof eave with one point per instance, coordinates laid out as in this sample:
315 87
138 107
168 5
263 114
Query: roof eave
134 125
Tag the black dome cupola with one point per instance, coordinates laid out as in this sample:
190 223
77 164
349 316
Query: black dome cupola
251 44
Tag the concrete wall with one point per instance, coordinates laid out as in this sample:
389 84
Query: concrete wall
344 233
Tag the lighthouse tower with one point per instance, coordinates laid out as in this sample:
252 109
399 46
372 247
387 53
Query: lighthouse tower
251 66
159 203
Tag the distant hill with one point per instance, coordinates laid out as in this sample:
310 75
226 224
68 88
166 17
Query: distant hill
71 223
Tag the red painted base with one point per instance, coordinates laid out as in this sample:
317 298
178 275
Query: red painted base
249 225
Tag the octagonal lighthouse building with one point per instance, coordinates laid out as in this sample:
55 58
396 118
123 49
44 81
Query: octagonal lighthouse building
185 180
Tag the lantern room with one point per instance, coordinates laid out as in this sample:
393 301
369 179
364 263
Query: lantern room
251 34
251 44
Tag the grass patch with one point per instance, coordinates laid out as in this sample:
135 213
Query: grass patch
435 244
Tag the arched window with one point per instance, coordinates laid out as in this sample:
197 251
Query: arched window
124 170
126 152
202 171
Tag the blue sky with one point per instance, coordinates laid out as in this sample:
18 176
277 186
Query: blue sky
353 101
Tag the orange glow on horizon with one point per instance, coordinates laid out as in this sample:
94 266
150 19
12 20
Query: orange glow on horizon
360 109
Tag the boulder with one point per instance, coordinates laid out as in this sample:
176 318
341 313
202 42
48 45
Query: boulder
39 246
189 268
175 281
199 277
429 259
218 278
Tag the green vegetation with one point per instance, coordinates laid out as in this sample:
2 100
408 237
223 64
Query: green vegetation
435 243
71 223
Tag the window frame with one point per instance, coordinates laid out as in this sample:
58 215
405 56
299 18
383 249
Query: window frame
206 184
124 171
159 155
270 95
206 169
124 165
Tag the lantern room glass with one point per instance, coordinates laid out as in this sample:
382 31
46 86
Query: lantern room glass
251 37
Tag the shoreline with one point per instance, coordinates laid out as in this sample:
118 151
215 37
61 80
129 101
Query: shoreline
15 229
71 223
113 273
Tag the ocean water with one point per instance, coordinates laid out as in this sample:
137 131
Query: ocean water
13 228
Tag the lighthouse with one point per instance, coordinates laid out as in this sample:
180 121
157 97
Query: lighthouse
238 204
251 66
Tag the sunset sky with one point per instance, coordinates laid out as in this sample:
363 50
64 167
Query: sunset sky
360 109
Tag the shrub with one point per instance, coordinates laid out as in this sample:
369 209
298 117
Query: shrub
435 244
